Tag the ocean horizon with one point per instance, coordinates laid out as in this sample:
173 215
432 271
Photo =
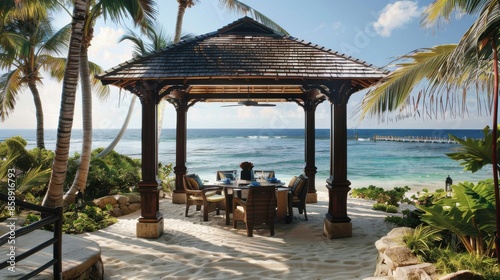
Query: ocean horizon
383 164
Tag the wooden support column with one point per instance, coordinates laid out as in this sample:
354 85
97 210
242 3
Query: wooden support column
150 224
310 149
180 168
337 224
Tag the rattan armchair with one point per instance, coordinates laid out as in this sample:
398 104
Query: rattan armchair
298 193
208 197
259 208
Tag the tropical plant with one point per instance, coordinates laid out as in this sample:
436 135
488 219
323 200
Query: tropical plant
164 172
112 174
422 240
469 214
142 13
473 62
474 154
28 46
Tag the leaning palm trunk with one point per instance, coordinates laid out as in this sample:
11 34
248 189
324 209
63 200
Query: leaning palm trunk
54 195
119 136
83 168
40 143
494 148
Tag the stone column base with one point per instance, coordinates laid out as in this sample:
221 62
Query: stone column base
312 198
178 198
150 230
337 230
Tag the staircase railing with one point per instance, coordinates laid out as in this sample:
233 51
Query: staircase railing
50 216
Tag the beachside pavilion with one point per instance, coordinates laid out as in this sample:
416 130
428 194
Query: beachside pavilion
246 62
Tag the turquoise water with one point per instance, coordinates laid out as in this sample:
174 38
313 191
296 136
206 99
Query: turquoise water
384 164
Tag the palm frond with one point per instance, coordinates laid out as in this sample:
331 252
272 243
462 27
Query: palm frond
141 11
54 66
58 42
242 8
393 91
10 84
33 178
98 88
443 9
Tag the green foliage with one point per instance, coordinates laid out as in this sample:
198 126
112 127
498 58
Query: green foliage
164 172
475 153
469 214
423 240
28 172
88 219
380 195
112 174
409 219
385 207
448 261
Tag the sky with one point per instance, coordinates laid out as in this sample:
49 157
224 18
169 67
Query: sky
374 31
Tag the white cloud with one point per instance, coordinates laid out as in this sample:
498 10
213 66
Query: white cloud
395 16
105 49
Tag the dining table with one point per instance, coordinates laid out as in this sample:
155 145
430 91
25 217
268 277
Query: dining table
283 204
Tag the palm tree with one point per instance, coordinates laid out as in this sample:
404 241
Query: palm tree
54 195
464 65
142 12
28 45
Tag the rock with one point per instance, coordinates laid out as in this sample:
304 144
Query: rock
121 199
380 278
399 232
134 207
423 271
400 256
103 201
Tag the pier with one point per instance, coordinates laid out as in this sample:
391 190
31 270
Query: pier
415 139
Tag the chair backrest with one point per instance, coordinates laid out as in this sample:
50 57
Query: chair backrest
299 187
225 174
263 173
190 183
261 204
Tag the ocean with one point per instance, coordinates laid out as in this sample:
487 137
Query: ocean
383 164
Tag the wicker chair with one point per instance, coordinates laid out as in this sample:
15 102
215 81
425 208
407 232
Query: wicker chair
208 197
298 193
263 173
225 174
258 209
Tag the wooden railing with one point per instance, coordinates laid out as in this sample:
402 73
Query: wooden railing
50 216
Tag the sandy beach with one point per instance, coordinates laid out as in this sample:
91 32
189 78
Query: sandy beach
192 249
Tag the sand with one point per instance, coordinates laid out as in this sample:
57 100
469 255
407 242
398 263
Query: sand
192 249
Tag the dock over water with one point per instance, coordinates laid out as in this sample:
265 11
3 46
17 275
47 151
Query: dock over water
415 139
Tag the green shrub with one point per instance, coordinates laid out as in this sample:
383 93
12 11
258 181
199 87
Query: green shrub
379 207
385 208
112 174
448 261
380 195
88 219
391 209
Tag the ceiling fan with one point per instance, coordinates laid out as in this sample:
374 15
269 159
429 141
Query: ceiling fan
250 103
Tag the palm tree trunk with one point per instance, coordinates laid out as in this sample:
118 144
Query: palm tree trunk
54 195
40 142
494 148
115 141
178 24
80 181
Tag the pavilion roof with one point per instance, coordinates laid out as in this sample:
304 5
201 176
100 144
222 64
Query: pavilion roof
242 57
